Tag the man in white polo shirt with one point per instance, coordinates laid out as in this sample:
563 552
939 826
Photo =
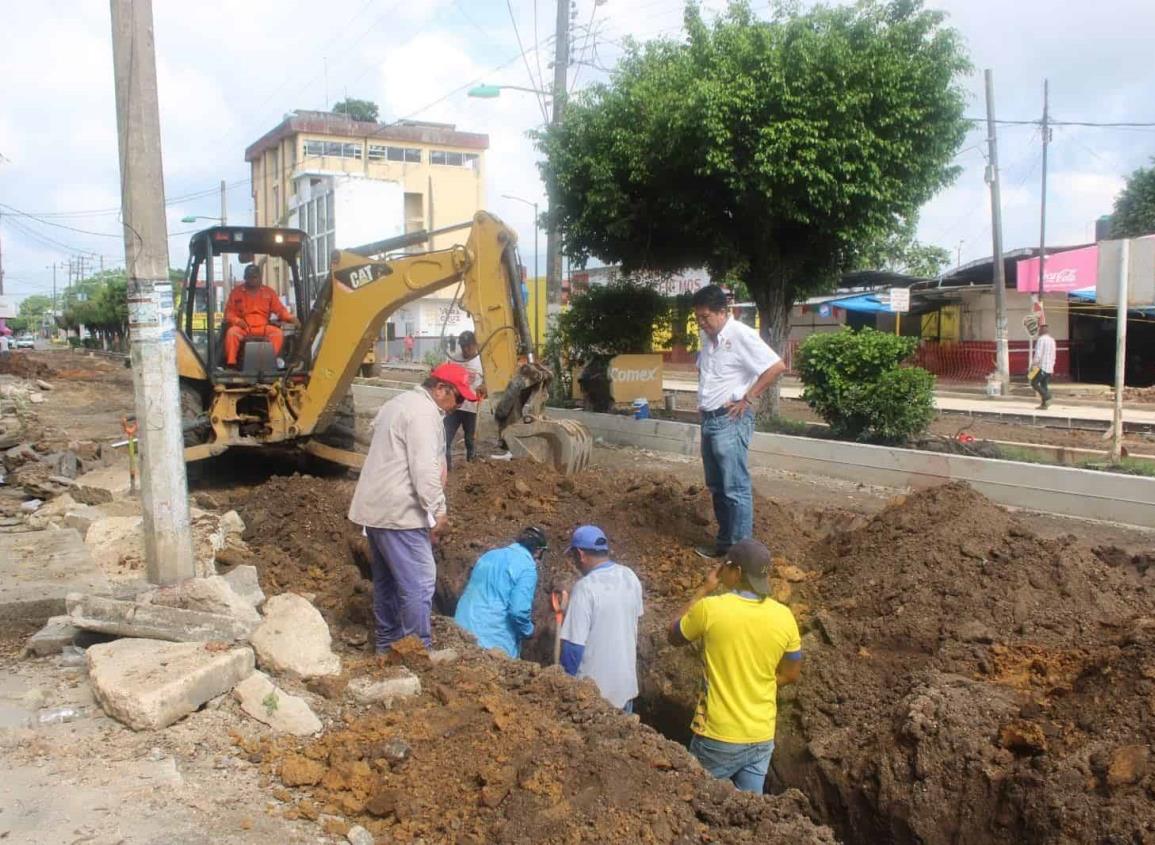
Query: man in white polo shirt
1044 362
735 366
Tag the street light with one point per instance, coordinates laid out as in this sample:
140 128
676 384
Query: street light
489 92
193 218
536 292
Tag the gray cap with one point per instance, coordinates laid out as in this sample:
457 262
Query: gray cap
753 558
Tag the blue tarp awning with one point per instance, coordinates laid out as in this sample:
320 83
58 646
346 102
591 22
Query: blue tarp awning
866 303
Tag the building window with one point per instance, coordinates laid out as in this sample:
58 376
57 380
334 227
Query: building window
380 152
453 159
335 149
316 218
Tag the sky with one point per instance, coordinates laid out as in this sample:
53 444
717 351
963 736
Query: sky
229 71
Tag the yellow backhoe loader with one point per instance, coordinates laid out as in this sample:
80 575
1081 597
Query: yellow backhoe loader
342 301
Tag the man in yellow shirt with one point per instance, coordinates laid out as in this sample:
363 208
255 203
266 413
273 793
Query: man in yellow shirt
750 646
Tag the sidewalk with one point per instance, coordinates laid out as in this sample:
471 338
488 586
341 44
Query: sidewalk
1061 413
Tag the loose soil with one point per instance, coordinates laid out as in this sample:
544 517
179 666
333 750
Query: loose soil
967 680
507 752
23 365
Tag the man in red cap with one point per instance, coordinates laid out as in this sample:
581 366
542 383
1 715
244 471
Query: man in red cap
400 500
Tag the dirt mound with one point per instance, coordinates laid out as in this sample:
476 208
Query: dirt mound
504 751
301 542
23 366
959 681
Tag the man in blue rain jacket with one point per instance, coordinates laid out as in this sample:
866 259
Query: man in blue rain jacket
497 605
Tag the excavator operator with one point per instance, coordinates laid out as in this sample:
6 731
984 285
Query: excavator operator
247 314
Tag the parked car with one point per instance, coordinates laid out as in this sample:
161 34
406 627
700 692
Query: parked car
25 341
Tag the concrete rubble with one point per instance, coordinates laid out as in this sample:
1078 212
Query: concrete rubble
214 594
155 622
57 633
243 579
147 684
294 638
401 683
265 702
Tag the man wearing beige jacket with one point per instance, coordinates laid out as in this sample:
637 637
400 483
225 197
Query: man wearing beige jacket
400 500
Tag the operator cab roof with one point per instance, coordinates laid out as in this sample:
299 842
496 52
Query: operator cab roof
276 242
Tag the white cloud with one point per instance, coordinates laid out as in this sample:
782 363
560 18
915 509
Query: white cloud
229 71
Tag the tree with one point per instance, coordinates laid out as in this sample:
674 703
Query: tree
901 252
362 110
1134 213
33 310
770 151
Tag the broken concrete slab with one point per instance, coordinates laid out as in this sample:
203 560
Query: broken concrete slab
20 455
399 683
261 699
42 384
102 485
52 638
80 517
154 622
245 583
209 595
112 539
294 638
148 684
39 568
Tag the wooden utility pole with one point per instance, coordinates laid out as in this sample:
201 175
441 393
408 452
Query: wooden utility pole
1002 348
164 491
553 236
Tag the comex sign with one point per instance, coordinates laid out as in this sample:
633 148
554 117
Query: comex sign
636 377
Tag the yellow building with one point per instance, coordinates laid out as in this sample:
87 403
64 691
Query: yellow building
431 176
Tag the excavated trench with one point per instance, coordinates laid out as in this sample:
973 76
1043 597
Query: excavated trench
966 680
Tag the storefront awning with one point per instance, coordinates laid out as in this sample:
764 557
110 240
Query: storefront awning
1088 295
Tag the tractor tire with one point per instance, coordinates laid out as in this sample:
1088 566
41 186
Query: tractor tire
192 406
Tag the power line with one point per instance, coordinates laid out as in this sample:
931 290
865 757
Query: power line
536 83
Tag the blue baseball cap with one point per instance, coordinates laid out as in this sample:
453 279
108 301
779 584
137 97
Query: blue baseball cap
589 538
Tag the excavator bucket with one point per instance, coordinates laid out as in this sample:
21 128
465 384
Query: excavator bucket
567 445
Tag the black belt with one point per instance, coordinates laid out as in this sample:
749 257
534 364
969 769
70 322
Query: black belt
717 412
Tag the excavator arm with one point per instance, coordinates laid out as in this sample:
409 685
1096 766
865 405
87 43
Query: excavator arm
363 291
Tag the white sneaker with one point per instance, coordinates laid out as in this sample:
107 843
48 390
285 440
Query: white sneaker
504 456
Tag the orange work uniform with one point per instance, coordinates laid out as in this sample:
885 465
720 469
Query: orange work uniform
247 314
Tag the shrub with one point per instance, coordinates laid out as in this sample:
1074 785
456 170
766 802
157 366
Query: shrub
856 382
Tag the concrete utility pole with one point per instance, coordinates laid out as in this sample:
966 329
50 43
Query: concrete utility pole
1120 352
1002 348
164 490
1 262
553 236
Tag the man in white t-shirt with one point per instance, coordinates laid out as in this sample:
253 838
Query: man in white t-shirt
599 637
465 417
735 366
1044 361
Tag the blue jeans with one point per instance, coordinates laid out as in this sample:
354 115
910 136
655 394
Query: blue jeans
404 575
746 764
725 447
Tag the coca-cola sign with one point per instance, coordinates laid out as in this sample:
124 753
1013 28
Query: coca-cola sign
1063 271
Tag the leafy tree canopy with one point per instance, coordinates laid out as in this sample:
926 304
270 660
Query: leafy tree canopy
901 252
772 151
362 110
1134 213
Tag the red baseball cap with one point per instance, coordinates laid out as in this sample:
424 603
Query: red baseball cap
456 375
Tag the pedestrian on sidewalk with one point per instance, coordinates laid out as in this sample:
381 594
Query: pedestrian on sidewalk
1043 365
735 367
750 647
400 501
599 637
409 343
465 417
497 604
